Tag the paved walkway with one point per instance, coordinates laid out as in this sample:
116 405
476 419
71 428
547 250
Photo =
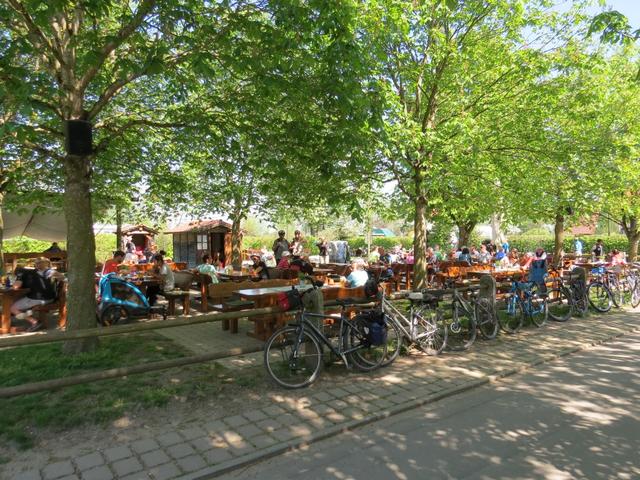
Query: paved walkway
281 420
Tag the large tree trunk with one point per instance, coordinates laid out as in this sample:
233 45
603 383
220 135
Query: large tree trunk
2 270
632 232
118 228
464 232
236 241
419 244
81 307
558 231
497 235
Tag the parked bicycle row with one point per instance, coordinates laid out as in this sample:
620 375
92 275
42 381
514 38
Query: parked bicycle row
435 320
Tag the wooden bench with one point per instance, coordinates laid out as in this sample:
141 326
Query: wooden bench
60 304
224 300
182 292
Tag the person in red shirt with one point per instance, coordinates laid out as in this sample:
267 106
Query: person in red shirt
111 265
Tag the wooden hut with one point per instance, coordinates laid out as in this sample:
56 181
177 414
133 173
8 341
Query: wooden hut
141 236
194 239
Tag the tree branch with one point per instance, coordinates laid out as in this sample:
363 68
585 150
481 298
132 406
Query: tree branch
125 32
31 26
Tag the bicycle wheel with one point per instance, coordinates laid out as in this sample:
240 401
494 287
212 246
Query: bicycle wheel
395 341
599 297
293 358
510 315
635 294
635 291
431 330
462 329
560 304
362 353
617 292
487 321
537 309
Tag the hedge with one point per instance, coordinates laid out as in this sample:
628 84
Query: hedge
105 245
528 243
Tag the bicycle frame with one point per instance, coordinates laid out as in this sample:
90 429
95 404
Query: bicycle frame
305 323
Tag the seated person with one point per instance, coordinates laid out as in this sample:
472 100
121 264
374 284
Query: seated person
259 268
358 276
284 261
216 262
514 257
164 275
301 265
206 267
359 257
484 255
111 265
617 258
131 256
54 248
465 255
40 282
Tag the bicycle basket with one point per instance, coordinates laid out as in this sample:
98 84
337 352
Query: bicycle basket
376 326
289 300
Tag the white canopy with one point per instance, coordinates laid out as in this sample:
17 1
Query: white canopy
41 223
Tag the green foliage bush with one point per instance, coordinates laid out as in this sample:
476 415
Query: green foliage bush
105 245
528 243
255 243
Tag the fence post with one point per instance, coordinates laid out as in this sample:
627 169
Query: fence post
488 290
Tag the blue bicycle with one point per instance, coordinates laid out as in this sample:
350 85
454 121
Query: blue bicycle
524 300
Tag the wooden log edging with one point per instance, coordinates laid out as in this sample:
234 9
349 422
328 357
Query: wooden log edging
132 328
35 387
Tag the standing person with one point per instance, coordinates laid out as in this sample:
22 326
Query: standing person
577 246
111 265
280 244
164 275
323 247
598 249
40 282
297 244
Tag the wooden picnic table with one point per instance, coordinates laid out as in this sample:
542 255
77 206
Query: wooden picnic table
497 274
265 325
234 276
9 295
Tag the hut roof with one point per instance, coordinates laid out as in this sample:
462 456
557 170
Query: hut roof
200 226
140 228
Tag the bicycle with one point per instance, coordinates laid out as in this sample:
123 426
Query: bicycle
424 327
633 279
293 355
565 299
598 293
469 316
523 301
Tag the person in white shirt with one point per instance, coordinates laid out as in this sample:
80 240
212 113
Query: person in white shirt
163 273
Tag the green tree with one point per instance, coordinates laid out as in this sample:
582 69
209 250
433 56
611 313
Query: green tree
442 66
